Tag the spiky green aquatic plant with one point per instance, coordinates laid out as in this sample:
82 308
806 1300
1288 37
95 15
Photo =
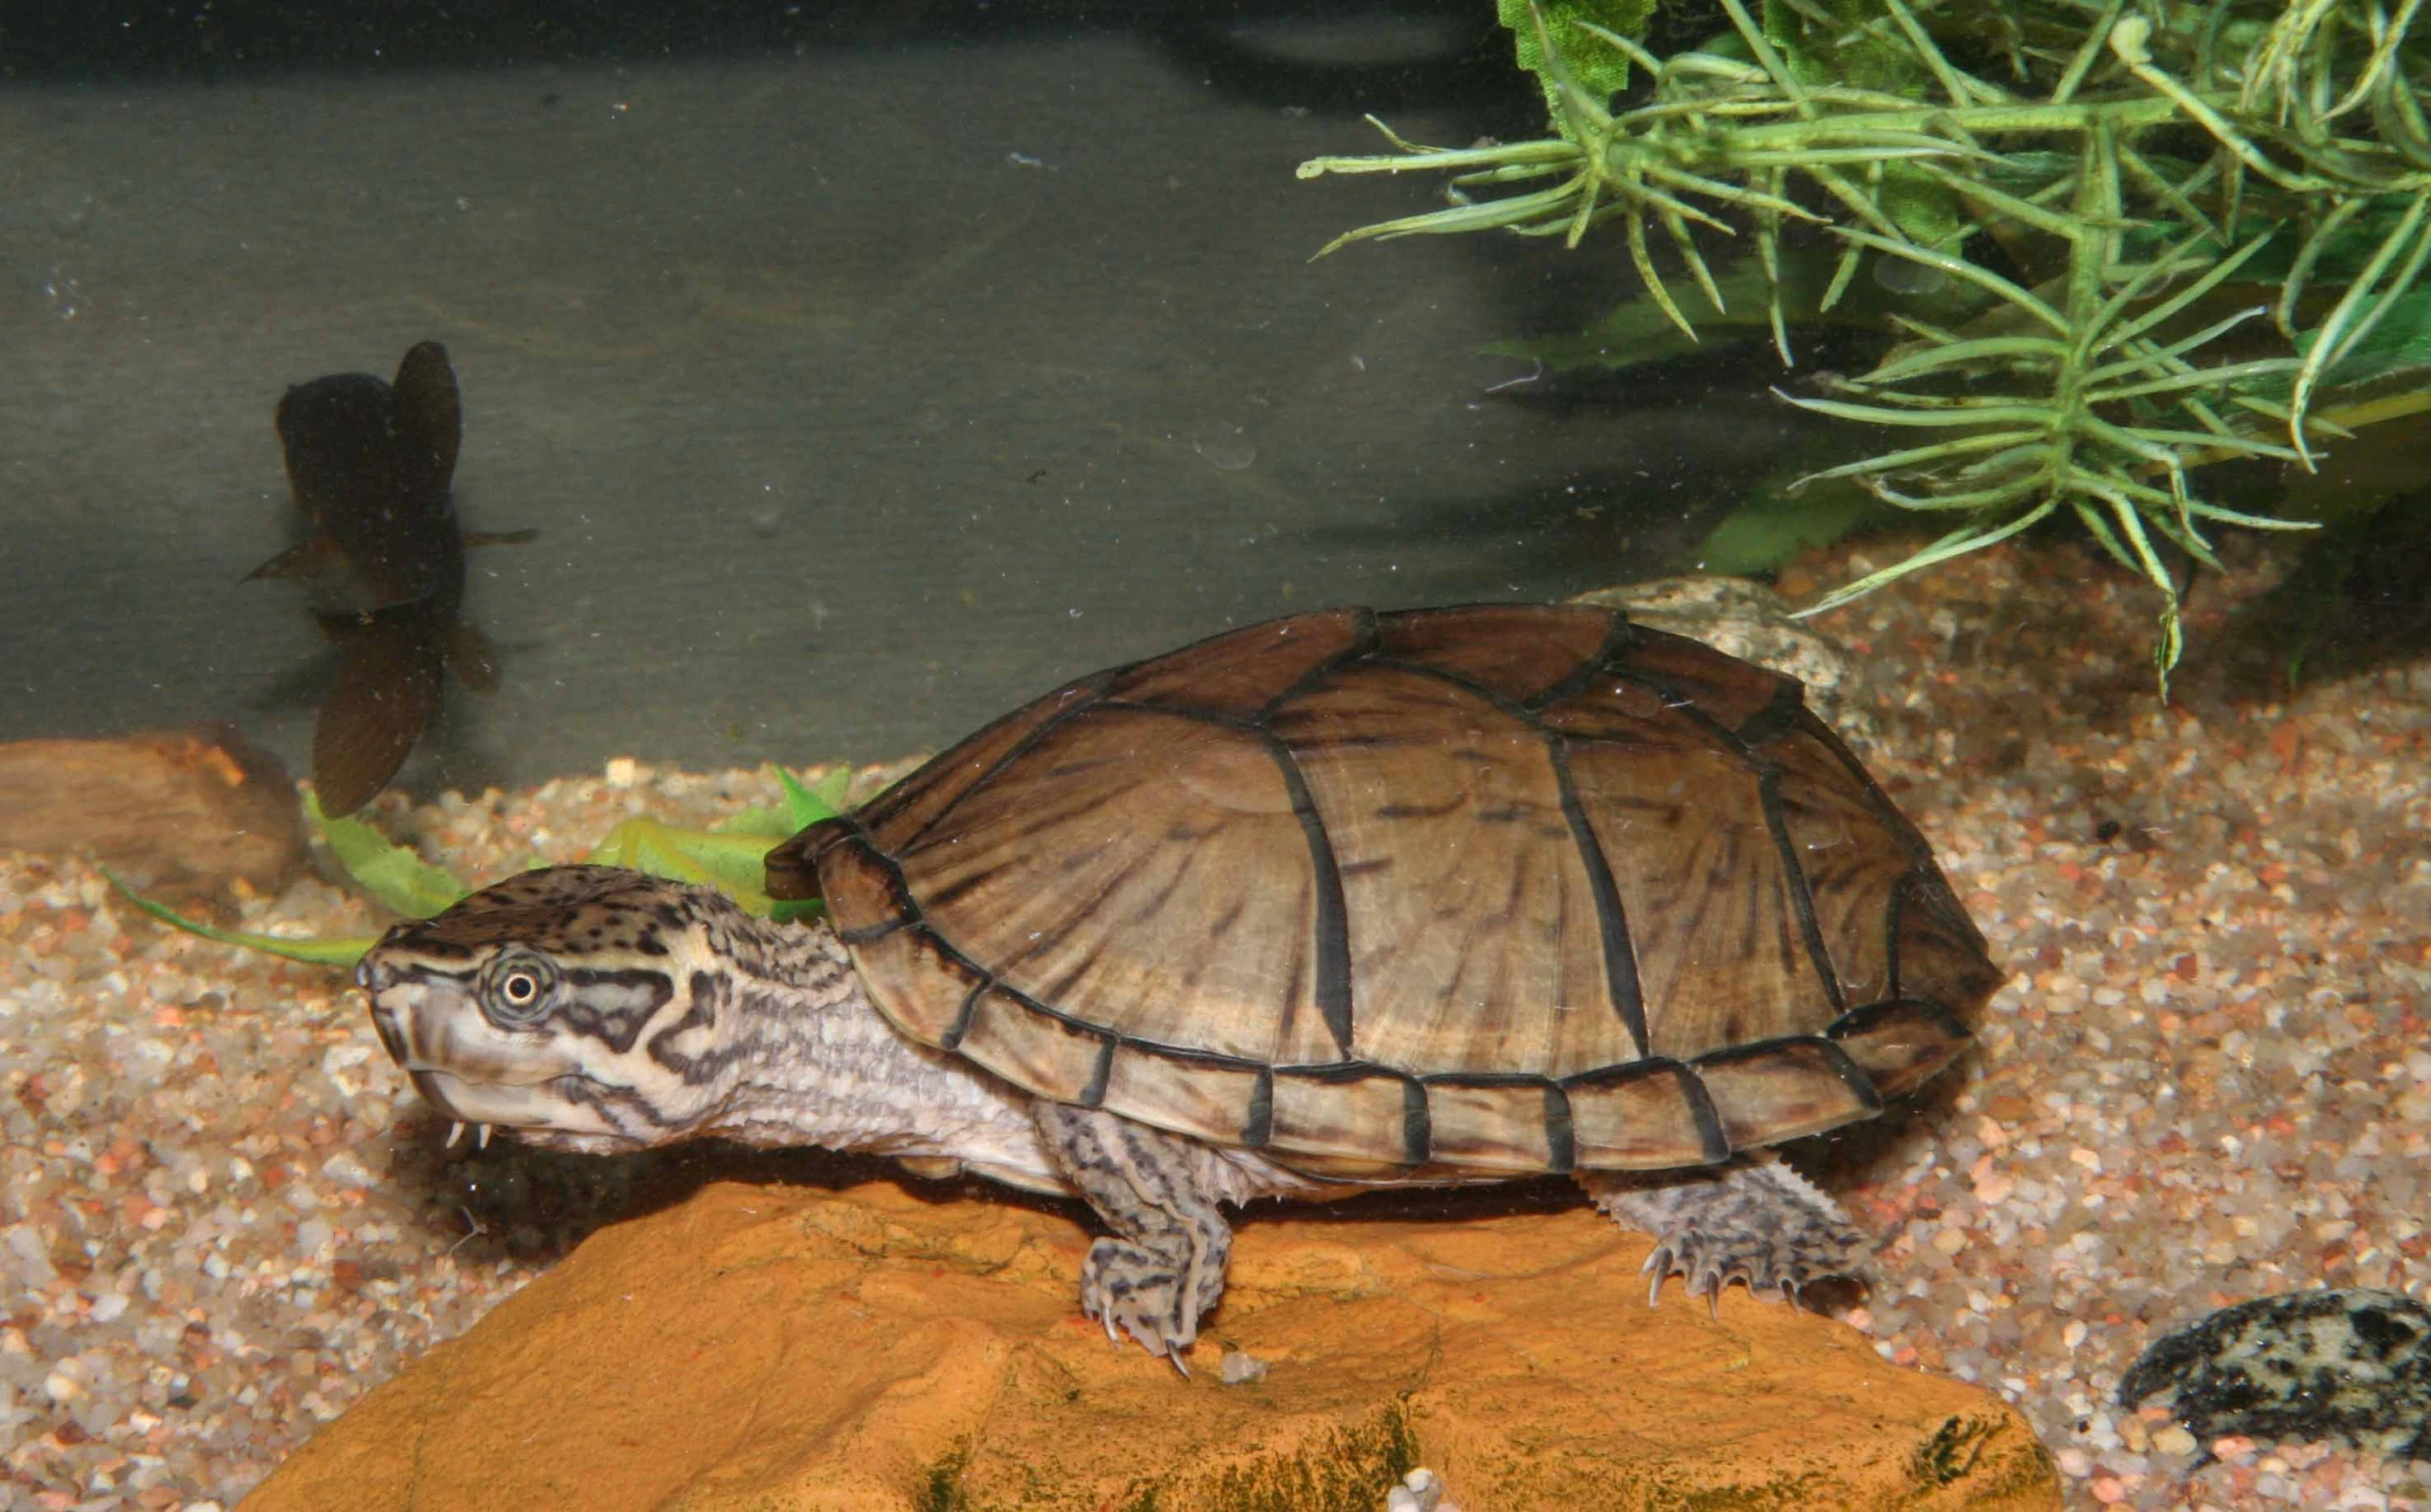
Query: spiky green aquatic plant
2139 182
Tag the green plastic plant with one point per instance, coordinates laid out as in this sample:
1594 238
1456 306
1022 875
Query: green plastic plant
727 857
2168 234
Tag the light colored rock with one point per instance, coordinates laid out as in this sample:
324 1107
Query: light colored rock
1746 620
792 1348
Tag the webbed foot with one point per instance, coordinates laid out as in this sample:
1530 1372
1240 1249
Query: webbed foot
1755 1220
1164 1267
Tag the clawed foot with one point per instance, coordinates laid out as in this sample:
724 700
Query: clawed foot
1133 1290
1753 1220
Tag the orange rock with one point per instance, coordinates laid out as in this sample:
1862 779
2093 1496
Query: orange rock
791 1348
182 812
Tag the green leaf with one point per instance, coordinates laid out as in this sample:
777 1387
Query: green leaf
1772 526
1591 64
392 873
733 863
340 952
806 806
2399 344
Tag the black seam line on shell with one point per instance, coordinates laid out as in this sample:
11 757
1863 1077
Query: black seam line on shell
1417 1126
901 905
1849 1071
1093 1095
1812 727
1625 1072
1676 702
1779 713
1172 711
1561 1135
953 892
1258 1127
990 984
1866 1014
871 934
1802 895
1701 1111
798 856
1509 707
1612 925
1333 988
1090 691
1621 978
1364 637
1619 636
952 1038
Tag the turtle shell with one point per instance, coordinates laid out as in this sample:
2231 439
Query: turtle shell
1499 888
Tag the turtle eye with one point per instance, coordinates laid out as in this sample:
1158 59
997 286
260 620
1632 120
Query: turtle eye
517 988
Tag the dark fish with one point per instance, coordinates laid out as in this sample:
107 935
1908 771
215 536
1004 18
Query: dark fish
370 464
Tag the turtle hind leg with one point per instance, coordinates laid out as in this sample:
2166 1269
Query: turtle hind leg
1164 1267
1752 1219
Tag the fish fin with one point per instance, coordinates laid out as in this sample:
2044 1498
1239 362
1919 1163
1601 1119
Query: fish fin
430 416
500 537
388 691
315 556
472 658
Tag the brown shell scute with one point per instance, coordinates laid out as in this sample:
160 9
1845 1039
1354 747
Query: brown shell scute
1497 889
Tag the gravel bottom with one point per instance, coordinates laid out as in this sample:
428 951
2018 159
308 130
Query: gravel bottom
223 1217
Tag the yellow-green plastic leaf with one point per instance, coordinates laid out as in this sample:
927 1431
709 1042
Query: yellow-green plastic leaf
392 873
823 799
340 952
735 864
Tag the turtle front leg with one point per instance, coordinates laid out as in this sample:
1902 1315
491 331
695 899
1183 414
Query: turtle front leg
1166 1266
1751 1218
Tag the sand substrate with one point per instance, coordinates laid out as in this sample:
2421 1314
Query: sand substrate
223 1217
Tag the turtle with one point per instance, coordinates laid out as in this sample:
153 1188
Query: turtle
1340 900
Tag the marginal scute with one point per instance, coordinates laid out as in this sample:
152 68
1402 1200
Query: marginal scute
1486 889
1937 954
1515 651
1234 676
1646 1119
1492 1127
915 983
1360 1117
864 895
1035 1050
1783 1091
1723 689
1898 1044
1207 1100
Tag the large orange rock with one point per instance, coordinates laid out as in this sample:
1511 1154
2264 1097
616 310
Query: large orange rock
789 1348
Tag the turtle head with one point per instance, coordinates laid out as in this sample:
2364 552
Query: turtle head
583 1007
